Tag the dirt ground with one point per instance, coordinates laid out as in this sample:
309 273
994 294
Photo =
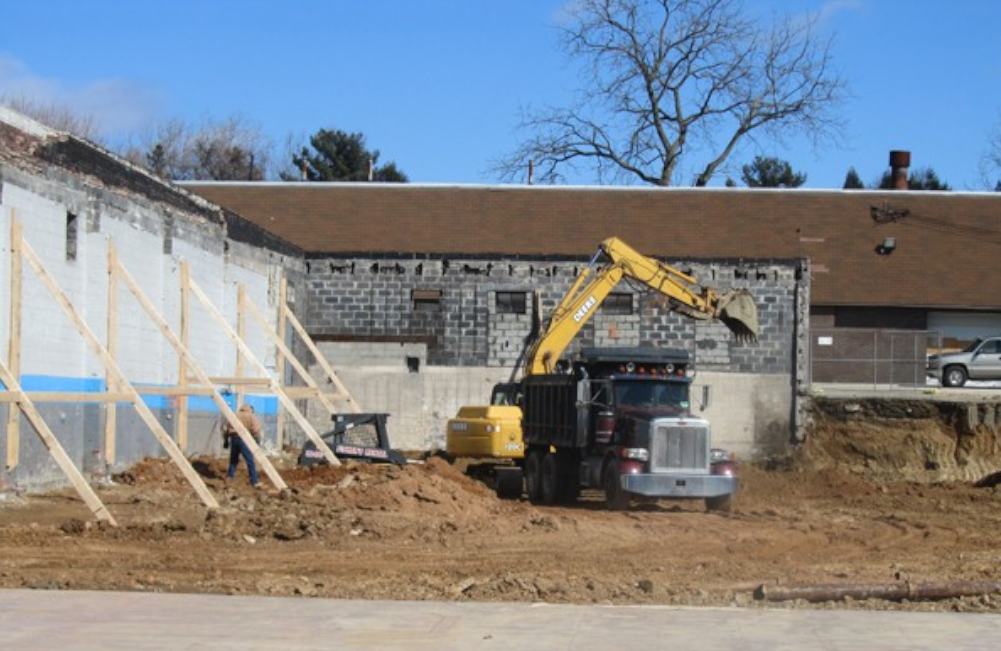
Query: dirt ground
883 493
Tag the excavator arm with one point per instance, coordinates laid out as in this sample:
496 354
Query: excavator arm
614 261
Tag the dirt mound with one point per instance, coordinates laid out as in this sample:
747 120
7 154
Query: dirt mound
433 486
417 501
893 440
759 486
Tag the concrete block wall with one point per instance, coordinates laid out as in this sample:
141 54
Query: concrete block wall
369 299
364 309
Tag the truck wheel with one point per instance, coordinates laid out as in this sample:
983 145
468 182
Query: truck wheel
954 376
616 499
551 480
533 476
720 503
508 483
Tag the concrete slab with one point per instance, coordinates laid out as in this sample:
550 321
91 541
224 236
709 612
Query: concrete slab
85 621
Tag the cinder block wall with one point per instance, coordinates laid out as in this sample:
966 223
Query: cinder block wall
380 300
375 313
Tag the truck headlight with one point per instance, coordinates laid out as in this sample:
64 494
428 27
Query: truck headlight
717 455
640 454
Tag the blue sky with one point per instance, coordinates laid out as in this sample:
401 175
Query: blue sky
438 85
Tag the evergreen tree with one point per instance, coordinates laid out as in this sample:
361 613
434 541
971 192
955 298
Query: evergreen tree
922 179
853 181
336 155
770 172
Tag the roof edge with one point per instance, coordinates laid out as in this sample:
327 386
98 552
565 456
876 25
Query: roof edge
500 187
28 125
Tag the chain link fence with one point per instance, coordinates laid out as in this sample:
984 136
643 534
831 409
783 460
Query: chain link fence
871 356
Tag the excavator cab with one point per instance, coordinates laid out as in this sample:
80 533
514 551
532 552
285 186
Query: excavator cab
506 393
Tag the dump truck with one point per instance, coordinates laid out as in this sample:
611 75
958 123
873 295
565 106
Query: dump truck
574 423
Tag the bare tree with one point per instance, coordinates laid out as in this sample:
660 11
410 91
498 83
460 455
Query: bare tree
55 116
233 149
286 168
674 86
159 149
990 162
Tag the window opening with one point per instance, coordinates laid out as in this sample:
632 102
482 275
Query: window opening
72 232
618 303
426 300
511 302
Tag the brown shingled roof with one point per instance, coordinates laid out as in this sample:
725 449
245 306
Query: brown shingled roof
948 249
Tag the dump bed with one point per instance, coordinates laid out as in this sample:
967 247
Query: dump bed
551 415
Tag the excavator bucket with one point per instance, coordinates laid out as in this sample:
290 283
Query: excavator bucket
738 311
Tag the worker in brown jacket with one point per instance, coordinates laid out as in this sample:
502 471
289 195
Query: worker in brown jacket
238 448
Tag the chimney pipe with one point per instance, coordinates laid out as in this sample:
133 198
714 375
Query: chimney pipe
900 161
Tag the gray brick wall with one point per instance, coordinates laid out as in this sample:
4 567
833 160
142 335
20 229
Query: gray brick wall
373 299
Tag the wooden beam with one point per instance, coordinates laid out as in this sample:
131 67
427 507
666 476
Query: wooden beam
301 392
321 445
14 343
182 369
320 359
111 413
55 448
245 381
187 390
119 377
241 332
299 368
283 335
220 402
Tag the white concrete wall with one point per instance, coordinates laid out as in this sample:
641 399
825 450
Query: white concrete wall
142 353
52 345
750 414
54 354
258 280
207 342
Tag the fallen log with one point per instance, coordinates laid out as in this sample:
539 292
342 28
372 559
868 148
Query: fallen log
897 591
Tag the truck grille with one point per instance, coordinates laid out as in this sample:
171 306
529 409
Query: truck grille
679 448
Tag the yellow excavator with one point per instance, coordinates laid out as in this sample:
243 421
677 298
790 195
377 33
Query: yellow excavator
495 431
614 261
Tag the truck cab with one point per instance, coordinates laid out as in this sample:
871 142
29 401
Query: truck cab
622 421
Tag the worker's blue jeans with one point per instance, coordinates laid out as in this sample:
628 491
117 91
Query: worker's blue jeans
238 448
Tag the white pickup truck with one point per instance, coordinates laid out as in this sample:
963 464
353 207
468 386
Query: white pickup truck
981 360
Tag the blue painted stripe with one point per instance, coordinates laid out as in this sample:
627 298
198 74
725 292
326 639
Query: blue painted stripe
50 383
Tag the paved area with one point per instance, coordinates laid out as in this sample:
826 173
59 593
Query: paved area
84 621
972 392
